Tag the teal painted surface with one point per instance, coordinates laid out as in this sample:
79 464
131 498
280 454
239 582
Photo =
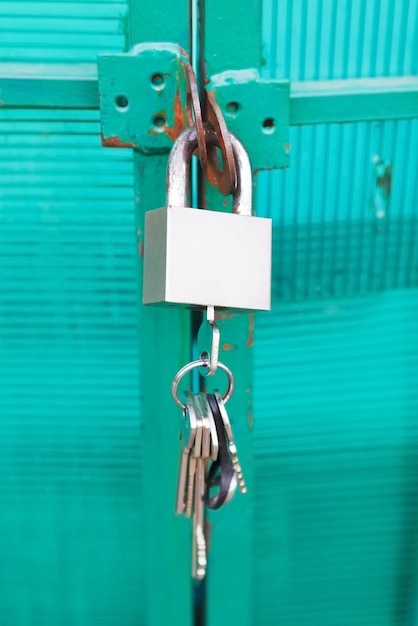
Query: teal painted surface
330 237
237 26
336 362
336 434
71 523
330 39
52 86
70 458
61 32
165 346
154 114
354 100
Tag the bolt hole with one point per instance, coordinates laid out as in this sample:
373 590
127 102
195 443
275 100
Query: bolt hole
232 108
159 122
268 125
121 102
157 81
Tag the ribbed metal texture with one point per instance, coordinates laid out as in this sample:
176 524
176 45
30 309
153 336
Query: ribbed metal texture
61 32
70 525
336 362
345 212
324 39
336 434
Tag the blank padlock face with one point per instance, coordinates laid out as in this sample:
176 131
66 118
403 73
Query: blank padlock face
197 258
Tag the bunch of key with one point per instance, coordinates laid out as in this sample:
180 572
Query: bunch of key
209 466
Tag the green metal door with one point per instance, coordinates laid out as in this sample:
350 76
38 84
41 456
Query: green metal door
326 404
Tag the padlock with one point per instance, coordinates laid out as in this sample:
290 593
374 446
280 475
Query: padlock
198 258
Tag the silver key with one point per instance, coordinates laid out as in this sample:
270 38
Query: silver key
203 411
188 435
231 444
214 442
199 541
195 453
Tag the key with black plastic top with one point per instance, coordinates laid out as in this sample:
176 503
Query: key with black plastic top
221 474
231 443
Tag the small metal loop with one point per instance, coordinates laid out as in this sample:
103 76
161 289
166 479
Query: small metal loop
194 113
225 178
201 363
209 326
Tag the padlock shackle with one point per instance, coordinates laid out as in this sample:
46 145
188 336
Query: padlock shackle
178 171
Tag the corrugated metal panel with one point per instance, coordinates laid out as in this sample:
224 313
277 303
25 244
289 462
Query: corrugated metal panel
69 402
70 526
336 232
61 32
335 399
336 435
324 39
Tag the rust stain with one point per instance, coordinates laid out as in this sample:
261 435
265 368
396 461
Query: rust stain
1 103
225 203
385 181
115 142
179 119
211 177
287 148
224 316
140 244
228 347
250 419
250 339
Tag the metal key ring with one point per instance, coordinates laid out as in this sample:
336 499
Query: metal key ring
200 363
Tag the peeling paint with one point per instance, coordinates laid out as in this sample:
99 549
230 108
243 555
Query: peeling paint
115 142
250 340
179 119
250 419
227 315
228 347
140 244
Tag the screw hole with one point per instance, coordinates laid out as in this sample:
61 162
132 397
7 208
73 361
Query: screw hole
157 81
121 102
159 122
232 108
268 125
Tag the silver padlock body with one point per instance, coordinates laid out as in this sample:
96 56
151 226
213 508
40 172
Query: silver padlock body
199 258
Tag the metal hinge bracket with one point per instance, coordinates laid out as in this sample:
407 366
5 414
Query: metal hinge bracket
143 104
